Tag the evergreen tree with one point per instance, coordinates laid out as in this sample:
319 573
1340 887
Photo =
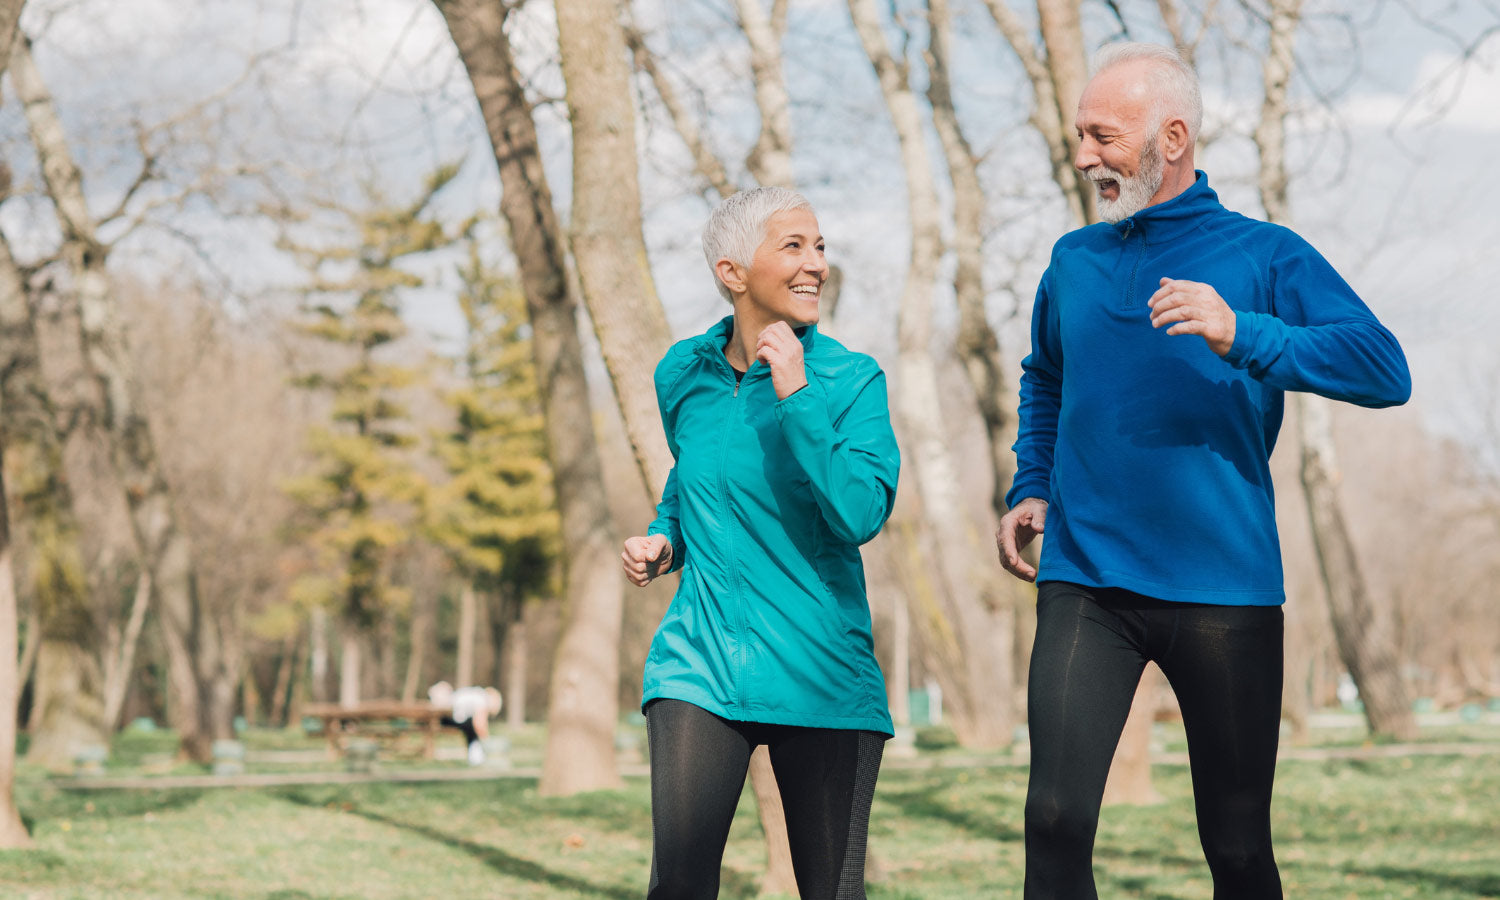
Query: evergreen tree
497 515
359 501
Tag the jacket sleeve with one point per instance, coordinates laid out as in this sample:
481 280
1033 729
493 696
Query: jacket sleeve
668 520
850 456
1319 336
1041 402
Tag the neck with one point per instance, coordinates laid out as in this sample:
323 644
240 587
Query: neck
1176 179
740 351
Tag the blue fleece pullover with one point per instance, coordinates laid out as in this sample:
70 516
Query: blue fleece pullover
1152 451
766 508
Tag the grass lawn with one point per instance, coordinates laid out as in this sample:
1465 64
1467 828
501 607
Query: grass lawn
1411 827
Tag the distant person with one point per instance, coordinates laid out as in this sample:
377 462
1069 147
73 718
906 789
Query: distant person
1162 341
785 465
470 710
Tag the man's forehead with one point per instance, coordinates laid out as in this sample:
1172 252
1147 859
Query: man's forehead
1121 93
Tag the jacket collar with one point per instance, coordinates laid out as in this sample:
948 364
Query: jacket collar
712 342
1174 217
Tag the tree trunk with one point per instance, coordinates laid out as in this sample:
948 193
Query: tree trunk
422 616
605 232
1051 116
514 682
67 706
349 665
119 660
163 546
979 674
1365 642
1363 636
770 160
463 674
978 345
286 669
580 744
317 638
13 834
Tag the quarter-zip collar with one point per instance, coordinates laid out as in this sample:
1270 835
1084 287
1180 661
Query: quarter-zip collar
1172 218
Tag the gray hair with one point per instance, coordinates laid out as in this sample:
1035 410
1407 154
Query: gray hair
1174 84
737 226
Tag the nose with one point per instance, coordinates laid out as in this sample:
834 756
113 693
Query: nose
1088 154
815 263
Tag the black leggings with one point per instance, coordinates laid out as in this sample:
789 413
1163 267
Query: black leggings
1224 663
698 766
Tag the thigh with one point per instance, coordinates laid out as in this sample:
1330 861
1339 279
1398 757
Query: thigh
827 782
1225 665
698 765
1086 661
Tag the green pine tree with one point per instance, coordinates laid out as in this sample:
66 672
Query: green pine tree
496 515
361 498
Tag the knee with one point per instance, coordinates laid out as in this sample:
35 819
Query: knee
1052 818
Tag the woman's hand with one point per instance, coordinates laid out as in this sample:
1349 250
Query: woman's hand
779 349
646 557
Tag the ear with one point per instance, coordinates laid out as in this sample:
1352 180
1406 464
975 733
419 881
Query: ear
732 274
1174 139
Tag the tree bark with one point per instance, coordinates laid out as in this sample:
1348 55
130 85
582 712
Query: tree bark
1363 636
350 651
608 246
978 681
580 745
119 661
317 639
13 832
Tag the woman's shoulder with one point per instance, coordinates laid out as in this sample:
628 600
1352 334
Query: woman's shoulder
833 361
685 354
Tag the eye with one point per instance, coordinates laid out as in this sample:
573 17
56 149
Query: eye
821 248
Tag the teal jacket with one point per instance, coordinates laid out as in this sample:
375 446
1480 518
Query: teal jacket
766 507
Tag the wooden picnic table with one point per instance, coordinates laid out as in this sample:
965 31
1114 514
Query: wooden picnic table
377 719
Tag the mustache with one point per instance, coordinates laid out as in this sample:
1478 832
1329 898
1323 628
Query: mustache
1100 173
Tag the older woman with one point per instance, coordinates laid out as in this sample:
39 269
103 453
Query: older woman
786 464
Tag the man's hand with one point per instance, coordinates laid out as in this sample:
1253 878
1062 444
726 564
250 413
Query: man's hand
1018 527
1191 307
778 347
646 557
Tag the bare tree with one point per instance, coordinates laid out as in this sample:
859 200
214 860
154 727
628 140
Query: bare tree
192 640
966 627
13 832
1364 639
581 752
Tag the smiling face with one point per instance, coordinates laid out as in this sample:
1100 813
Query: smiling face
1118 147
784 280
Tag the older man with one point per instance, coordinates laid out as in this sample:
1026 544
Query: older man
1163 339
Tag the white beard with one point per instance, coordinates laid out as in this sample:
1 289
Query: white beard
1136 191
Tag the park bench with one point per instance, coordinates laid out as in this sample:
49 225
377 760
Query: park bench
387 721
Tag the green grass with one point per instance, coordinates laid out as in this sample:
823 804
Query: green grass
1414 827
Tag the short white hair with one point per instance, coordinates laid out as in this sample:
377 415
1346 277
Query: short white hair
737 226
1174 84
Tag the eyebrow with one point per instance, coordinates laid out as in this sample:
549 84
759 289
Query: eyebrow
799 235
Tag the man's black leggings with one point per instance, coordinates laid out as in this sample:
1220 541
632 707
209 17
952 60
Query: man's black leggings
1224 663
698 766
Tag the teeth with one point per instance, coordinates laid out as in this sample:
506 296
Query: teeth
805 289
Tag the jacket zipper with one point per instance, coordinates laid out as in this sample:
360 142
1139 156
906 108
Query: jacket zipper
732 575
1135 269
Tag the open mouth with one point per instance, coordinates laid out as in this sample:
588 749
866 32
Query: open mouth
806 291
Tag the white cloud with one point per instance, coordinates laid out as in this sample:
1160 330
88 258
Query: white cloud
1448 90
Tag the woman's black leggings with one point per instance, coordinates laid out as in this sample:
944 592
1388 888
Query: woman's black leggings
1224 663
698 766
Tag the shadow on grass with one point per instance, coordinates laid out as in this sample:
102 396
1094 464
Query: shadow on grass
494 857
923 803
1479 884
